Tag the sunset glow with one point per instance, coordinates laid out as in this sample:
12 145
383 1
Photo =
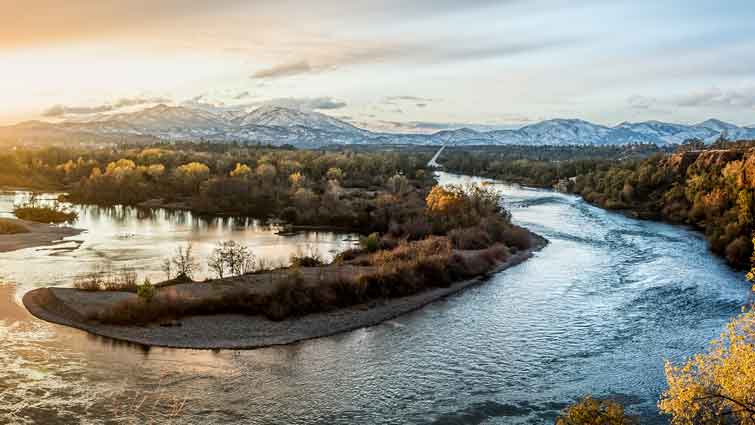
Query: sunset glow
490 63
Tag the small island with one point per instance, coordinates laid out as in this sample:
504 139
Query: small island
445 241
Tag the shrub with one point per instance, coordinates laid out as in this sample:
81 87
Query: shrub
590 411
416 229
123 280
469 238
739 250
45 214
90 282
102 278
306 258
146 291
370 243
8 227
289 215
517 237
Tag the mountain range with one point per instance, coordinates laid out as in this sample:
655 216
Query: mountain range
278 125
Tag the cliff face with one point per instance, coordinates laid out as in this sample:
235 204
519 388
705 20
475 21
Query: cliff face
679 163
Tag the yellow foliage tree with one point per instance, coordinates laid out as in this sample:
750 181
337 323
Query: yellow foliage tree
590 411
193 174
443 201
717 387
241 171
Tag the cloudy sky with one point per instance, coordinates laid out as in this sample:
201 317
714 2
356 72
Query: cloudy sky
414 65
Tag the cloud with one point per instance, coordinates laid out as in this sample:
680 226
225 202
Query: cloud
742 98
135 101
242 95
334 56
641 102
430 126
284 70
408 99
62 110
307 103
715 97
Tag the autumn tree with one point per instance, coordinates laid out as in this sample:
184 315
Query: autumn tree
334 173
717 387
461 206
241 171
590 411
191 175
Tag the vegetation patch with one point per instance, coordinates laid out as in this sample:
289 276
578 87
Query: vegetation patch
10 227
34 210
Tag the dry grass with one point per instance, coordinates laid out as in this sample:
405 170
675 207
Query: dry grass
103 279
10 227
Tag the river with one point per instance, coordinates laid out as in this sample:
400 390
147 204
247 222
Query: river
597 311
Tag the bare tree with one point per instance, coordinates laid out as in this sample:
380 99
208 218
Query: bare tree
232 258
183 264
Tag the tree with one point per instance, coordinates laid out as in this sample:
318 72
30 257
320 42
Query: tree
230 258
398 184
590 411
334 173
267 172
241 171
192 175
183 264
461 206
717 387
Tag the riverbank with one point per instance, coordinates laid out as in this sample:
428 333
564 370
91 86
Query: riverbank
38 235
72 308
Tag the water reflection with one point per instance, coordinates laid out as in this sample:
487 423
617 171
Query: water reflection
140 239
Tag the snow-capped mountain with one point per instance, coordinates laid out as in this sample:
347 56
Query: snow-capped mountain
276 116
279 125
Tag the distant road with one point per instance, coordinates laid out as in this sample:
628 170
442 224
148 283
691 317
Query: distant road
434 162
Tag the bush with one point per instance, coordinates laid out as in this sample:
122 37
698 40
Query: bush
123 280
8 227
45 214
89 282
469 238
590 411
739 250
370 243
308 257
146 291
517 237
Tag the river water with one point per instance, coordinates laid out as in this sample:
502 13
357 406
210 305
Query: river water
597 311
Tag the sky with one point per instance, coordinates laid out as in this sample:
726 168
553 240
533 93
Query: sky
394 65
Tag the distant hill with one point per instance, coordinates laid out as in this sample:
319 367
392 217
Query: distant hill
278 125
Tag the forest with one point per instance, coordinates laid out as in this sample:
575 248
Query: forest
710 187
356 190
539 166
